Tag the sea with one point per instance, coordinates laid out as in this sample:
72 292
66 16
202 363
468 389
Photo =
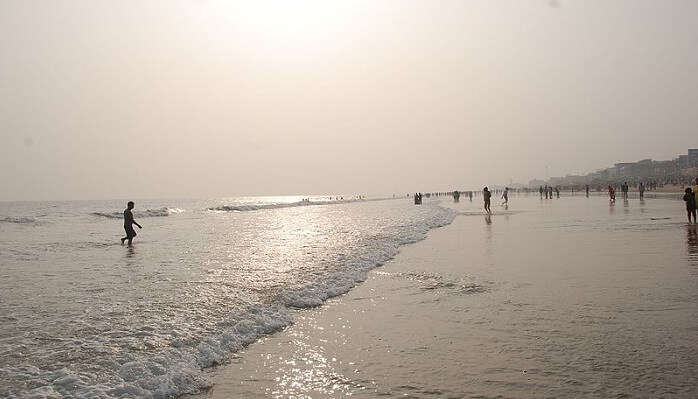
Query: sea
573 297
83 316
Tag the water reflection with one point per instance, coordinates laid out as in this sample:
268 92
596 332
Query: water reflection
131 261
692 242
130 252
489 245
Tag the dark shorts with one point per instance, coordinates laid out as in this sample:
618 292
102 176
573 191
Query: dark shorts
130 232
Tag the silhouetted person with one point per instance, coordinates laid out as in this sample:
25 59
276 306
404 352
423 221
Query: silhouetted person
546 191
690 199
418 198
505 195
128 224
540 190
624 189
587 190
641 189
557 191
611 194
486 195
470 195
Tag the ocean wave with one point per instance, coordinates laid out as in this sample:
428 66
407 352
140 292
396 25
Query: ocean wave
17 219
158 212
179 368
176 372
257 207
376 251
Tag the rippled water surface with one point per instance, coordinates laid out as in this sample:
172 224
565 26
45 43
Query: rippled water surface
82 316
564 298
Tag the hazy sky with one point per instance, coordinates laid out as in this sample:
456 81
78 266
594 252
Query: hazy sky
147 99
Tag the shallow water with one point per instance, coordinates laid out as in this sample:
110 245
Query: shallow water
83 316
558 298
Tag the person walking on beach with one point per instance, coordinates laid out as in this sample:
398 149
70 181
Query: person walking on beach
557 191
540 190
624 189
611 194
546 191
690 199
587 189
505 196
641 189
486 197
128 224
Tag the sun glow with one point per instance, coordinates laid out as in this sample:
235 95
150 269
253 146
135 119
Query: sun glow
294 24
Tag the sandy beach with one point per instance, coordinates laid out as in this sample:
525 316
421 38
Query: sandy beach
559 298
259 199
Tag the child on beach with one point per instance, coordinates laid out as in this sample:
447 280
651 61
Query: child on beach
690 200
612 193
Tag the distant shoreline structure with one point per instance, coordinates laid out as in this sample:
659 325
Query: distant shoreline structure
665 175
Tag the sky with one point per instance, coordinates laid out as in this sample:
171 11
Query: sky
197 99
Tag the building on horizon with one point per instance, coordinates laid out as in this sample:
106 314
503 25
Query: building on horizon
681 170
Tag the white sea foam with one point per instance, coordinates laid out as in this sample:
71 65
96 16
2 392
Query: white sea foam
277 205
138 340
157 212
17 219
375 253
173 373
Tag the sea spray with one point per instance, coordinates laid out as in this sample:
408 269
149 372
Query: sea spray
145 322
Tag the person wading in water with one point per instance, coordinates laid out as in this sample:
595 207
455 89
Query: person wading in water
486 195
128 224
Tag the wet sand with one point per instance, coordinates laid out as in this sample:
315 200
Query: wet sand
557 298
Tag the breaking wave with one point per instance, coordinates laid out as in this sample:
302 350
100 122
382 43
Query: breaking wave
178 368
141 214
17 219
257 207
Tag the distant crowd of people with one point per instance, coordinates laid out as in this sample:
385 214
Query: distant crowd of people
547 192
550 192
455 194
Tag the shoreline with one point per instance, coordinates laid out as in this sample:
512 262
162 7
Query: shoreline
322 320
475 310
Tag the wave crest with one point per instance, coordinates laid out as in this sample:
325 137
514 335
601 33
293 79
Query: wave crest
17 219
257 207
158 212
